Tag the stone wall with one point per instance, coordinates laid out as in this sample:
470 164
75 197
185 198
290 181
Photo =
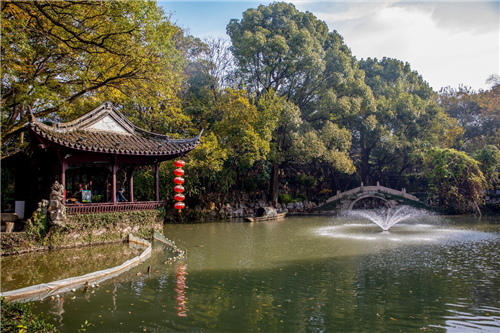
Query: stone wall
80 230
234 210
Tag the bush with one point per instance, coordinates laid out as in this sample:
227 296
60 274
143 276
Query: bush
19 317
284 198
305 180
301 197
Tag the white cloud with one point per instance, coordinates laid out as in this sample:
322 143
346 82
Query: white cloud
447 43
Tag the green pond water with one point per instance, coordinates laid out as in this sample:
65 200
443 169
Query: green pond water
314 274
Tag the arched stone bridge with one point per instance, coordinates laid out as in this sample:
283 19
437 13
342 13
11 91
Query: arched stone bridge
345 201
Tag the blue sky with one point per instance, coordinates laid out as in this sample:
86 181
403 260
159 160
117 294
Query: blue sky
447 42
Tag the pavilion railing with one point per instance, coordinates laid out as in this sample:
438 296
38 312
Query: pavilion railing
109 207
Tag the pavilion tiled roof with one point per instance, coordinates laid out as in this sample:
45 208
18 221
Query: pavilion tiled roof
106 130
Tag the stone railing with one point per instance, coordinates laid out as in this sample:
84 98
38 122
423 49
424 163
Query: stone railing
109 207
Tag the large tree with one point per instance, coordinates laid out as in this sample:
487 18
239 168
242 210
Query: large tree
60 58
406 118
278 47
289 60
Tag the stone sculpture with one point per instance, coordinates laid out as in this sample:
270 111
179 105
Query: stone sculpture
57 209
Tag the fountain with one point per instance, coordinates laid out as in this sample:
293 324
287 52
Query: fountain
388 217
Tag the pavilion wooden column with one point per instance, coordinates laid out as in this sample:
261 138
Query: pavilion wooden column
113 180
157 187
63 164
62 176
106 186
131 183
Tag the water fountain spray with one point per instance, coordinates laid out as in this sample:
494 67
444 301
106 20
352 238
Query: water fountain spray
388 217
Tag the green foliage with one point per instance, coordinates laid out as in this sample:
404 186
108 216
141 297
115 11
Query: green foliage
18 317
477 113
38 227
255 178
301 197
284 198
292 96
456 179
305 180
404 118
489 159
62 58
277 47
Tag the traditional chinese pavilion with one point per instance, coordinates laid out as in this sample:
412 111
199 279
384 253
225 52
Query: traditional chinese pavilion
86 156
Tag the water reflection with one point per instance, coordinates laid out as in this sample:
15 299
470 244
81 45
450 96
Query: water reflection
306 275
180 289
28 269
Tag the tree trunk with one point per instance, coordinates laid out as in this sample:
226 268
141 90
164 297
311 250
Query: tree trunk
273 186
365 168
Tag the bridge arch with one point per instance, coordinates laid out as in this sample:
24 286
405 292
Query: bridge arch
345 201
368 195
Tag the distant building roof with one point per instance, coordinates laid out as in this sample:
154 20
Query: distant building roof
106 130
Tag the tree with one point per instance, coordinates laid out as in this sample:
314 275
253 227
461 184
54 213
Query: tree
289 60
456 179
277 47
405 118
61 58
478 113
489 159
295 142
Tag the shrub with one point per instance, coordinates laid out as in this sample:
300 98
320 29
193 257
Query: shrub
284 198
301 197
19 317
305 180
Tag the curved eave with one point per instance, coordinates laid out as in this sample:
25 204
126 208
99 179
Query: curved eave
175 147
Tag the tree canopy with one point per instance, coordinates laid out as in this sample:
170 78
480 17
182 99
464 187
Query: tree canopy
284 104
61 58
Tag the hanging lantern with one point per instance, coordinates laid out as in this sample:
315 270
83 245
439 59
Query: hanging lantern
179 206
179 197
179 188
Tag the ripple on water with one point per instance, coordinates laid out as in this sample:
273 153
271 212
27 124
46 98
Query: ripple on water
407 233
482 319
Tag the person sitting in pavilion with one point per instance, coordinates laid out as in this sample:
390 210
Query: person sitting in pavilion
119 195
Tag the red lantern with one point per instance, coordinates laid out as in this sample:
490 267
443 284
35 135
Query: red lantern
179 188
178 172
179 206
179 197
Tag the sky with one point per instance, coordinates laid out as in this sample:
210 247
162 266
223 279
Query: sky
449 43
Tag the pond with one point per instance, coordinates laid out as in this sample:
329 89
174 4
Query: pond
304 274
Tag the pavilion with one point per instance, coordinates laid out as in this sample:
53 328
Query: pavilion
86 155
